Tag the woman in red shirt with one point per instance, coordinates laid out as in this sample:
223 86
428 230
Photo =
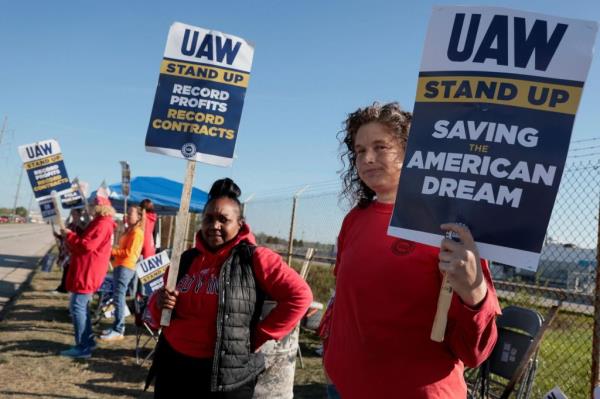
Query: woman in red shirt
379 342
210 346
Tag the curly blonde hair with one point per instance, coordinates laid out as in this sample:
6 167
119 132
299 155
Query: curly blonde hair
392 116
104 210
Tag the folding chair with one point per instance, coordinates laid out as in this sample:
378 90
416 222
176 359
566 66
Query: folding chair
141 328
104 294
519 334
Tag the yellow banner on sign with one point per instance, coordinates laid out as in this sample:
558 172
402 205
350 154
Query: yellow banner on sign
204 72
498 90
43 161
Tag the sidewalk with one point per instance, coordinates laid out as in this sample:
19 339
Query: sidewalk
21 248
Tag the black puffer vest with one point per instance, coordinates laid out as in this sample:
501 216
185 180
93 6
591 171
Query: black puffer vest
240 304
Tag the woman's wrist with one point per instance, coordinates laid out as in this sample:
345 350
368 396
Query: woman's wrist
476 296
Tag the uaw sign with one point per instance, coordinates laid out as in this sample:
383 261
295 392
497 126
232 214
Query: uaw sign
73 198
151 271
45 168
198 104
496 100
47 209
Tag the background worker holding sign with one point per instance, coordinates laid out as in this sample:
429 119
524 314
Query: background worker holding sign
149 247
387 288
90 255
211 342
125 257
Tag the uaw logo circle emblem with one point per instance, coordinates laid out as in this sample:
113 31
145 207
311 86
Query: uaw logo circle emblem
188 150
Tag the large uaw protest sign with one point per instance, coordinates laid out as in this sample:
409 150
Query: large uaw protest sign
198 105
496 99
45 168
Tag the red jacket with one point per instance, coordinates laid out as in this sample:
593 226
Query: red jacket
386 295
149 249
193 328
90 255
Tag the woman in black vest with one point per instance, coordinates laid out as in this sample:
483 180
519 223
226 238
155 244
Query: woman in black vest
210 346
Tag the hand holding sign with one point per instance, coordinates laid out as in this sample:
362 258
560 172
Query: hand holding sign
460 262
167 298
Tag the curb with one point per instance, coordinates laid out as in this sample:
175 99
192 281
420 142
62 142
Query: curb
26 284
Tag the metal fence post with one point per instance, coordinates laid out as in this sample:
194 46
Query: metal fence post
596 338
292 223
244 204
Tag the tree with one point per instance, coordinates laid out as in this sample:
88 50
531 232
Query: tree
21 211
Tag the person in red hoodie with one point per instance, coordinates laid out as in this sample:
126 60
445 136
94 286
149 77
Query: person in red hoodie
215 328
90 257
149 247
378 342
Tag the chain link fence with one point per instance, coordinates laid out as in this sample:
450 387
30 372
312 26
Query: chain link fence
565 277
566 274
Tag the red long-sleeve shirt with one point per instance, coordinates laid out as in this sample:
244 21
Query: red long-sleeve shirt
149 249
387 288
193 330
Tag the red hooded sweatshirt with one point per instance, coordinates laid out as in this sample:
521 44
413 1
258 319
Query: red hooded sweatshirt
149 249
193 328
90 255
386 296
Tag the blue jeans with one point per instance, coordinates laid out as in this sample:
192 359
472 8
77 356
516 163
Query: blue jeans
122 276
82 322
332 393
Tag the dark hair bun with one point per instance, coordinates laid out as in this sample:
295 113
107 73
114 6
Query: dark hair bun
224 188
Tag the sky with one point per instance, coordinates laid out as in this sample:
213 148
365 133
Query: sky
85 74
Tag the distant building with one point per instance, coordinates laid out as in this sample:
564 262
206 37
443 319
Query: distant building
561 266
35 217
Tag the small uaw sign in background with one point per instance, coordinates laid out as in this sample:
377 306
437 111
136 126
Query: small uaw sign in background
73 198
45 168
198 104
496 99
47 209
151 271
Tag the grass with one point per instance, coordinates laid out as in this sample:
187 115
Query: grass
321 280
564 359
37 327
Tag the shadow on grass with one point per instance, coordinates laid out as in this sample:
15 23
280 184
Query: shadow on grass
35 395
33 345
310 391
26 312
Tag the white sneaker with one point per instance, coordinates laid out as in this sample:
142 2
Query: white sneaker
112 336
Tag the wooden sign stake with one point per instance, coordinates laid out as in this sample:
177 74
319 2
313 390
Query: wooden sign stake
179 236
444 300
58 217
441 315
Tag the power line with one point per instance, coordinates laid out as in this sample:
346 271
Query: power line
585 140
584 155
584 148
291 189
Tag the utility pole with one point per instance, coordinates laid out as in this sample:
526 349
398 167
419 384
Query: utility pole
17 193
3 129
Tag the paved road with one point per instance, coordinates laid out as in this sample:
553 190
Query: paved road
21 247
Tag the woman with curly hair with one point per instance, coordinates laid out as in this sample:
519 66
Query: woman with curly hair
378 341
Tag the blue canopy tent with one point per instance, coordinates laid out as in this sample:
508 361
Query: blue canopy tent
164 193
